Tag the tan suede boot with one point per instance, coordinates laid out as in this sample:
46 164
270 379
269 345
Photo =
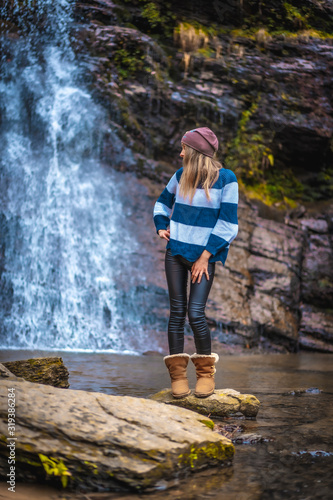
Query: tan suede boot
177 364
205 370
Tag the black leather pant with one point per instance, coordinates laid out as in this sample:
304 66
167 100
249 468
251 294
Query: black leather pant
176 269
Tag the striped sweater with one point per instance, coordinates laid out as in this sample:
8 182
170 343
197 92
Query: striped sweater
203 224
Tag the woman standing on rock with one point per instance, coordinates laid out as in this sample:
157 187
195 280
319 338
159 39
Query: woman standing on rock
204 199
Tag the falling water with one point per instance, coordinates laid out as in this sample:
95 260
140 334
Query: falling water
63 225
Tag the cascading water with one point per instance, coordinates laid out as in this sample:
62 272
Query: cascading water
63 223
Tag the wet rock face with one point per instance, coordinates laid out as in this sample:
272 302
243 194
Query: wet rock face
279 84
275 288
317 270
272 92
106 442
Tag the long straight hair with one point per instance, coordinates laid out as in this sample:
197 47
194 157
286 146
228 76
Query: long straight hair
198 169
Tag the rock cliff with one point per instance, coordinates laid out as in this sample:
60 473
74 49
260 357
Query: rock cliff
261 76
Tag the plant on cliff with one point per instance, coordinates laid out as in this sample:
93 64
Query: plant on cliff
160 18
248 151
128 60
251 157
189 38
297 19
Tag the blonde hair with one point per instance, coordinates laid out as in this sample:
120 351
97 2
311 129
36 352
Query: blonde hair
198 169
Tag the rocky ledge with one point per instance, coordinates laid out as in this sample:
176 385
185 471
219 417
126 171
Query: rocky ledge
95 441
223 403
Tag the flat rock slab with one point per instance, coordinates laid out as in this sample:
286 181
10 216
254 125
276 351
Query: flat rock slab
49 371
223 403
100 441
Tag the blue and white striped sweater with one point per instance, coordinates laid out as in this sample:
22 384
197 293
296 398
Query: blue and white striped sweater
203 224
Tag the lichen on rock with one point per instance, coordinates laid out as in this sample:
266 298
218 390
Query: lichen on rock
223 403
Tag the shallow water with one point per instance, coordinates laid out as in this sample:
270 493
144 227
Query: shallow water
294 458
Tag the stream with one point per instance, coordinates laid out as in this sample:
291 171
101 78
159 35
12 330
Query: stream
286 452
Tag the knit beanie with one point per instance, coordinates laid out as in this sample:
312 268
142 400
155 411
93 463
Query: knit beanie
203 140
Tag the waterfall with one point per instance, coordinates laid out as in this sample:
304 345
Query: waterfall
63 224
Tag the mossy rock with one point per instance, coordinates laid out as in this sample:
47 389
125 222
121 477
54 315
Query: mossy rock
47 371
96 441
223 403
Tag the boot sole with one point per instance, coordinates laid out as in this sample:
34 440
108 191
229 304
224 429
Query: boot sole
180 396
200 395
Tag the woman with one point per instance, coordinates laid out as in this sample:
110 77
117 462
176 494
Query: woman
204 199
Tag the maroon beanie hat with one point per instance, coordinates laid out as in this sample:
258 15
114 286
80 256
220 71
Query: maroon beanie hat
203 140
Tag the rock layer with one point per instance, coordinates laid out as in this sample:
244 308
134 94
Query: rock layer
272 92
101 441
263 293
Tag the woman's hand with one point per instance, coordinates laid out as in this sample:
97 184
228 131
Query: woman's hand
200 267
164 234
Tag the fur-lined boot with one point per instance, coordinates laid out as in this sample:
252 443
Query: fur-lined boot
177 365
205 371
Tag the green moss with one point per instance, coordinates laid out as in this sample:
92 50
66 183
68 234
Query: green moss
128 60
249 151
310 32
272 31
251 156
243 33
208 423
206 52
294 15
263 192
92 467
159 20
40 367
152 13
197 455
210 31
44 363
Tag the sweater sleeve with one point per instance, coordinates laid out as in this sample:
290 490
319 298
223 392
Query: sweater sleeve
164 204
226 227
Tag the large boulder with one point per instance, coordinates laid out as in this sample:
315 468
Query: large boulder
95 441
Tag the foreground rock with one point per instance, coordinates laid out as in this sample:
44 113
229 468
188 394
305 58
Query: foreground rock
96 441
223 403
49 371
